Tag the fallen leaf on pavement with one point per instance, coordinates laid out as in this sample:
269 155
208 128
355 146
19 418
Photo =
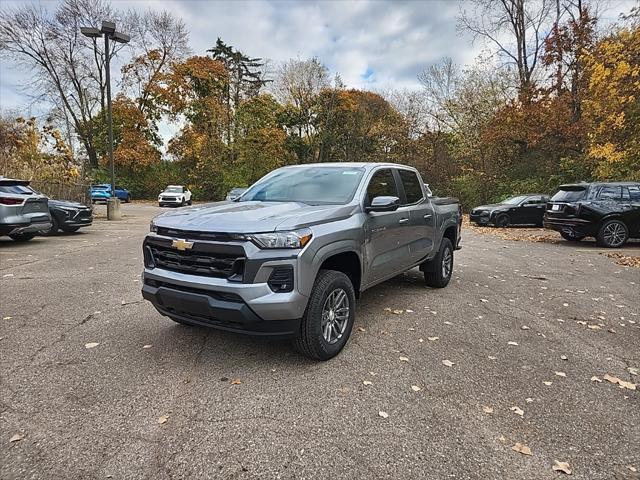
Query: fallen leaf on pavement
448 363
561 374
433 339
633 469
563 357
404 359
562 467
360 329
91 345
235 381
528 400
594 327
633 371
415 388
547 383
16 438
517 411
484 300
487 409
520 448
512 343
367 382
397 312
147 346
7 318
408 311
163 419
596 379
387 309
524 327
383 414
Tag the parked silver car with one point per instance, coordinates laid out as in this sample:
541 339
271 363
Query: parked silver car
23 211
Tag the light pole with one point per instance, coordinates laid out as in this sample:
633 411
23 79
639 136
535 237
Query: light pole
108 30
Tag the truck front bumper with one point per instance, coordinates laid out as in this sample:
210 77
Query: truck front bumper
250 308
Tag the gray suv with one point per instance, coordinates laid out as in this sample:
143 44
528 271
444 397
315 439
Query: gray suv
291 255
23 211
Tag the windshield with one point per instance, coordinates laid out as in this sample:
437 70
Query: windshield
569 195
310 185
100 187
515 200
173 190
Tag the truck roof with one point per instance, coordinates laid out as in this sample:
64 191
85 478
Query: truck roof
349 164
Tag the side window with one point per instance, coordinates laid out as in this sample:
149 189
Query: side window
533 200
382 184
634 193
412 186
610 193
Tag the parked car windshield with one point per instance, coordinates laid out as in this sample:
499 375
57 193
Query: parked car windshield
173 190
569 195
101 187
515 200
310 185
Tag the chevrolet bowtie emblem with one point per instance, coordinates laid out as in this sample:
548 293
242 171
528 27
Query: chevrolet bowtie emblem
182 245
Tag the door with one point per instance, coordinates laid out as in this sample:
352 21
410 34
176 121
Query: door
631 209
532 210
418 233
385 249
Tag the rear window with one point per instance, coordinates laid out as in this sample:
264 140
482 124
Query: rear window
16 189
569 195
412 186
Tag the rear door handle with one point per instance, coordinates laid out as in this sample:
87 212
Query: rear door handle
403 220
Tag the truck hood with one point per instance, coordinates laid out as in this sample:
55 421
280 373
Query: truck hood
251 217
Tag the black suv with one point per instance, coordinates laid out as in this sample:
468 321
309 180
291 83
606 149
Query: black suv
610 212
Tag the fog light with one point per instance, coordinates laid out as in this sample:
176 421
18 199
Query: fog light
281 279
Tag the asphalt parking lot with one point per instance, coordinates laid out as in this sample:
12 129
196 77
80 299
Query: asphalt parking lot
525 328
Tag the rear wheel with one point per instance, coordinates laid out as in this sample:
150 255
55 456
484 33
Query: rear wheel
571 237
612 234
128 200
437 272
189 202
22 237
328 320
502 220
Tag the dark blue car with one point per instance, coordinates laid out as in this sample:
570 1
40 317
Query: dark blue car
101 192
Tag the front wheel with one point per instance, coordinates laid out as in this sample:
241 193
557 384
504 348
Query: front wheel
438 272
612 234
22 237
502 220
571 237
328 320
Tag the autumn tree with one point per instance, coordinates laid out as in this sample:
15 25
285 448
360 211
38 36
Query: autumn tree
612 105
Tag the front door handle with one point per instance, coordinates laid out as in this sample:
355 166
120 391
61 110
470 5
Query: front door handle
428 215
403 220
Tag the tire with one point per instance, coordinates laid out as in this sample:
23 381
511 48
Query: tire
70 229
54 226
128 200
502 220
438 272
332 292
22 237
569 237
612 234
189 202
183 202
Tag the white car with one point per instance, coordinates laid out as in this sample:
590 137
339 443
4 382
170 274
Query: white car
174 195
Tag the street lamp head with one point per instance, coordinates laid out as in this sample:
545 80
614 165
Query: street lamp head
120 37
90 32
108 27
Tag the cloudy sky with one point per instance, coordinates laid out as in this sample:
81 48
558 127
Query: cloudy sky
371 44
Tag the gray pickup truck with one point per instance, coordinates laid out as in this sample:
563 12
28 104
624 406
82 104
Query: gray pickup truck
291 255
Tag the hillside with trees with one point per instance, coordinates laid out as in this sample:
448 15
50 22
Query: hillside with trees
555 98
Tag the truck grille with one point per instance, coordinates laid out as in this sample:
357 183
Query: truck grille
197 263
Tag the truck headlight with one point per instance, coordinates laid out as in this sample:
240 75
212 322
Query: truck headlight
293 239
153 227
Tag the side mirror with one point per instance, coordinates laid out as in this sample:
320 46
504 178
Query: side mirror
383 204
